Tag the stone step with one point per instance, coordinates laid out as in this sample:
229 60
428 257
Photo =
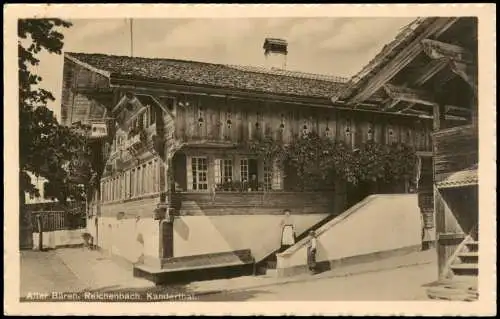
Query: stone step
469 257
469 254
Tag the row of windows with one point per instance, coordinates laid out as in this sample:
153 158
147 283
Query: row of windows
141 180
223 170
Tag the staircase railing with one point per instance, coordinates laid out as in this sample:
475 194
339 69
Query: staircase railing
334 219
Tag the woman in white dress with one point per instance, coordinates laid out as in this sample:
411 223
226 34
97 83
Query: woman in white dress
288 231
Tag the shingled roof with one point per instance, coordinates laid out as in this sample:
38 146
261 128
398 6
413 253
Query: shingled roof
215 75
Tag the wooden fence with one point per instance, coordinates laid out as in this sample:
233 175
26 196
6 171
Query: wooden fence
57 220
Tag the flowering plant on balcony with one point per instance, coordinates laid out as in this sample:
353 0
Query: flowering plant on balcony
317 162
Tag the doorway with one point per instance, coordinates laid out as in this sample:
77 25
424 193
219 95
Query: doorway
253 174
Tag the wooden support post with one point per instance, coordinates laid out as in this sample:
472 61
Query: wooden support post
439 117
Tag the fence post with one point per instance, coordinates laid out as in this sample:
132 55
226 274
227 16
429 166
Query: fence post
40 231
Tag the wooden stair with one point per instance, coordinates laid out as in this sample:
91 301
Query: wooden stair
463 275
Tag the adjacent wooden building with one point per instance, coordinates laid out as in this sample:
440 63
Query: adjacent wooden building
176 187
431 69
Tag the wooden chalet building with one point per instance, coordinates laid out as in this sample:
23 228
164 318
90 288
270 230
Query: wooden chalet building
174 131
431 69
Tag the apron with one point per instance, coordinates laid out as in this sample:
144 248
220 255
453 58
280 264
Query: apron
288 235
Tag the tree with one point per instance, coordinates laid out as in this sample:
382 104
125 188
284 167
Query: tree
47 148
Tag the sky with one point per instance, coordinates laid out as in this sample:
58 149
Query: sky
332 45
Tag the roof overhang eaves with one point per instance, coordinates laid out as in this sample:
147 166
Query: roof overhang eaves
86 65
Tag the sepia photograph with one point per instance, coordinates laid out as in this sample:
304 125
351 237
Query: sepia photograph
173 159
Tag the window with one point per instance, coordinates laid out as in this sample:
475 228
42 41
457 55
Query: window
244 170
217 171
155 176
102 191
199 172
276 177
144 179
139 181
121 180
268 176
132 183
227 170
127 184
139 121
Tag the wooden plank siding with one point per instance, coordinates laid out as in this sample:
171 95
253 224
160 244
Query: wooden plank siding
249 120
455 149
74 77
251 203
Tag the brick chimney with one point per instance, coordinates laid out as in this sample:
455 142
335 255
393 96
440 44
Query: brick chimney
275 51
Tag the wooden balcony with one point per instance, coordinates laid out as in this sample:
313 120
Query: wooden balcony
251 203
455 149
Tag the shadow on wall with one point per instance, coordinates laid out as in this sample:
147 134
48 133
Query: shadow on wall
181 228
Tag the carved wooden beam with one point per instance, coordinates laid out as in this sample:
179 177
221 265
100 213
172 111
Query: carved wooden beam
455 109
120 104
402 59
461 60
413 111
467 72
455 118
437 50
390 104
163 107
409 95
412 96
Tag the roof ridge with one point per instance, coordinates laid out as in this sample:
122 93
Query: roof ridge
142 57
292 73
